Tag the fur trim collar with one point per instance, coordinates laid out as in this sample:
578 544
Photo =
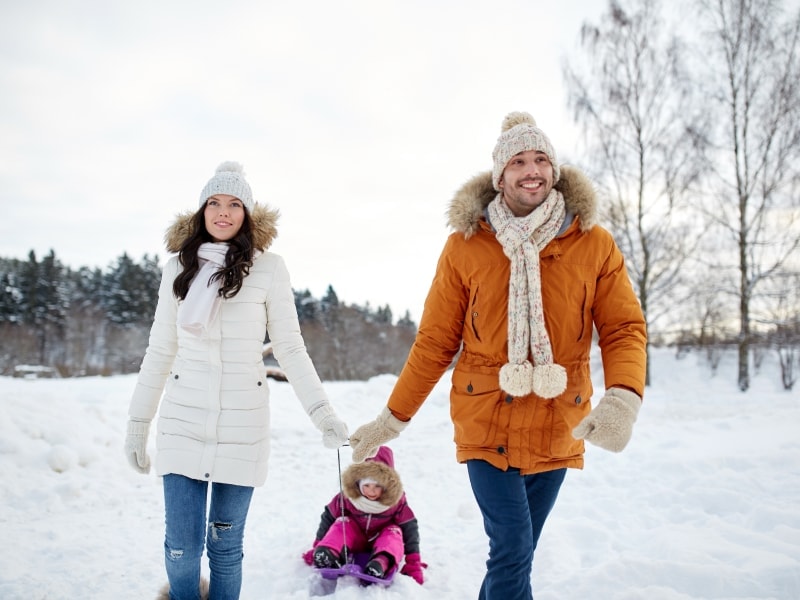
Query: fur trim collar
465 213
264 228
385 475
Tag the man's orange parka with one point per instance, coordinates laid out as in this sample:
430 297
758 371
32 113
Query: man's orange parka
584 285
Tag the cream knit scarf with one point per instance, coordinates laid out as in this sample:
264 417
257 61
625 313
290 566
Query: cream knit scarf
372 507
522 239
202 301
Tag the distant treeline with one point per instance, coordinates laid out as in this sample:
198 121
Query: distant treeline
97 322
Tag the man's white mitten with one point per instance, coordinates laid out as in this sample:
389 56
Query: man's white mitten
367 438
136 445
610 424
334 430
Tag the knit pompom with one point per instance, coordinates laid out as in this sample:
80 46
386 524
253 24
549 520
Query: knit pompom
515 379
230 166
549 380
517 118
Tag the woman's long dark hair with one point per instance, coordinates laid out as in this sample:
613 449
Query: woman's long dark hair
238 260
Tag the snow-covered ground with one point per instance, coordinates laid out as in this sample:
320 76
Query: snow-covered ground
703 504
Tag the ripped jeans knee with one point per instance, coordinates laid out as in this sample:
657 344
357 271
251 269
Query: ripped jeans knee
224 543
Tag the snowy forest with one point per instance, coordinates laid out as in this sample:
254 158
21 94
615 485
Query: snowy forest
55 321
690 130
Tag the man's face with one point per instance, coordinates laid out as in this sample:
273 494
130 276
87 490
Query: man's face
526 181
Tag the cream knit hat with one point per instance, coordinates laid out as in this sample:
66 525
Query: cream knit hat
520 133
229 179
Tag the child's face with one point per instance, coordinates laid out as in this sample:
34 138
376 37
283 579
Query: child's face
371 491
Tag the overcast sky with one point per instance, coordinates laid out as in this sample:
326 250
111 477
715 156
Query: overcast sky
358 120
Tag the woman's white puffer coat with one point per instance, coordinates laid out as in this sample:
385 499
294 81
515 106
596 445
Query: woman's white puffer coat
213 420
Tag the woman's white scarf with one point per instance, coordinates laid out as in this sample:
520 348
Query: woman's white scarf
522 239
202 302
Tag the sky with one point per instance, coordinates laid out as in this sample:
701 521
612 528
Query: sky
701 505
357 119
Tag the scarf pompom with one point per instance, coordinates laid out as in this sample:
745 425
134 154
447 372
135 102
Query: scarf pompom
516 379
549 381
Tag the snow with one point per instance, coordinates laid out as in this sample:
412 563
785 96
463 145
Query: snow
703 504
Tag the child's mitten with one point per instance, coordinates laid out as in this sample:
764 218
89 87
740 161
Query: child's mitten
414 567
308 556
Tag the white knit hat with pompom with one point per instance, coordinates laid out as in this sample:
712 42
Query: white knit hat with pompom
519 133
229 179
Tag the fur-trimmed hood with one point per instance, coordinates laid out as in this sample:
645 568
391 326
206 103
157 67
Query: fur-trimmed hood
381 469
264 228
467 207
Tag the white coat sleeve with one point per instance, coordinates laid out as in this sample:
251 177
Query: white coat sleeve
161 350
288 345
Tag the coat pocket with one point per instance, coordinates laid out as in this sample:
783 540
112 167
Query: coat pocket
476 402
569 409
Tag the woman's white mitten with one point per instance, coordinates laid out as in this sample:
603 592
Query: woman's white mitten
334 430
136 445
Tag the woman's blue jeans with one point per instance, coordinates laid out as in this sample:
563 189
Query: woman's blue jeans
187 531
514 509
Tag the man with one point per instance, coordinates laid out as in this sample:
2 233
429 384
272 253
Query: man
519 286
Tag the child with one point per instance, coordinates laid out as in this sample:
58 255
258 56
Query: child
372 516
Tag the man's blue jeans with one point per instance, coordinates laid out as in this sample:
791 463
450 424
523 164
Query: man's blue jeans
514 509
187 530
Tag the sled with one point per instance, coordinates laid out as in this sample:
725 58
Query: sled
324 581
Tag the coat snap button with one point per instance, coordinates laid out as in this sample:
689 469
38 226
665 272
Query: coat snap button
578 400
176 376
259 383
501 450
509 399
207 475
469 388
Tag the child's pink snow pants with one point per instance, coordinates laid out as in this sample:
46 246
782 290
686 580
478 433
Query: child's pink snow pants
345 532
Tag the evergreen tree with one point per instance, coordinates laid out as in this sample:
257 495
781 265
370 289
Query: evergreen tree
87 285
130 291
330 299
10 297
384 315
151 281
43 299
307 307
406 322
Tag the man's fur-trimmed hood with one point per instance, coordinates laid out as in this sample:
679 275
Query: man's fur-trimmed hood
381 469
467 207
264 222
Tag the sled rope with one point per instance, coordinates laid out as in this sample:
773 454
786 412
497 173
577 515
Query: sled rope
341 507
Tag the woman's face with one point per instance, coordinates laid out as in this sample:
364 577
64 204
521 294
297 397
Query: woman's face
224 216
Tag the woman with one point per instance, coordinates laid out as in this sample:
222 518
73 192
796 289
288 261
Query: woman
218 297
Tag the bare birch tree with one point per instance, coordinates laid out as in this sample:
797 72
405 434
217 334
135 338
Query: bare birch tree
629 94
748 63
